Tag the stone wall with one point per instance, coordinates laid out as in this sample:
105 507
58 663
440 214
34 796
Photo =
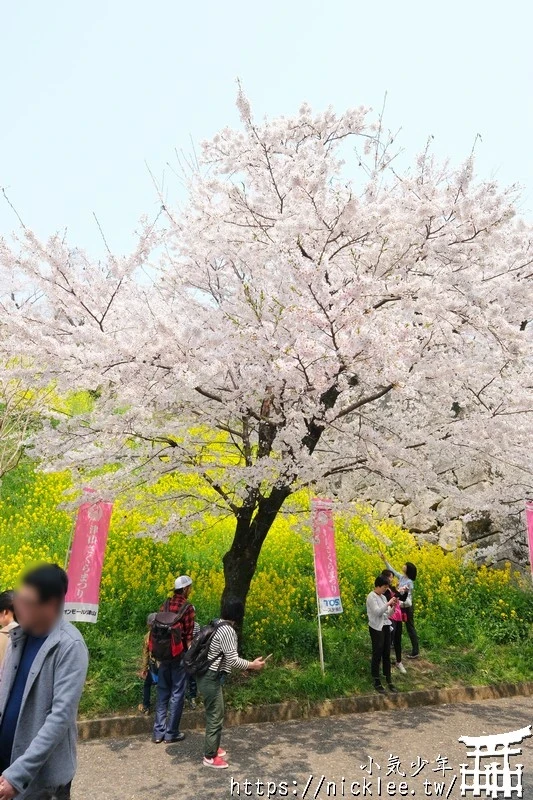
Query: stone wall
449 523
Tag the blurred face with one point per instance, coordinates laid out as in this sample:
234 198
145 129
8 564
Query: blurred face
33 615
187 591
404 569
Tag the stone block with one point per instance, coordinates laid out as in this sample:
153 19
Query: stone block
451 534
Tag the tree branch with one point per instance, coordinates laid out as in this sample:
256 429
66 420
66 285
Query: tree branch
364 401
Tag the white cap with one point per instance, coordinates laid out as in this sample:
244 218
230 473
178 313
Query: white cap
182 582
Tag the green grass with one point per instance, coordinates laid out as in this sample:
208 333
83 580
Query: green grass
475 625
113 685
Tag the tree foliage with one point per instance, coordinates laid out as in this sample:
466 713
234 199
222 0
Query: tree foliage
312 311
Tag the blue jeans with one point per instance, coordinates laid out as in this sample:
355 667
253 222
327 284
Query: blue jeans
171 686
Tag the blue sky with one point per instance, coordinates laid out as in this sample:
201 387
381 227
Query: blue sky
92 91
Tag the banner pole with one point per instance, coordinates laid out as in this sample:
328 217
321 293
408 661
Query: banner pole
328 599
320 642
319 622
529 531
69 546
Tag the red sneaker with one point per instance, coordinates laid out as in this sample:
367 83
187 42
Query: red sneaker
215 763
221 753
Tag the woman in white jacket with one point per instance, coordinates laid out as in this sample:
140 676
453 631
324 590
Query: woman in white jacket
379 611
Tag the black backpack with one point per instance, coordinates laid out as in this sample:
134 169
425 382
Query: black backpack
166 637
196 659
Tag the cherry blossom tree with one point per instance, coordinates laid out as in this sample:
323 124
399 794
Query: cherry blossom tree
314 310
21 408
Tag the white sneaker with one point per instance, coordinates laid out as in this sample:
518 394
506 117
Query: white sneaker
401 668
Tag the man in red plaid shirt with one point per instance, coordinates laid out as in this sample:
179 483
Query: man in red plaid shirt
172 678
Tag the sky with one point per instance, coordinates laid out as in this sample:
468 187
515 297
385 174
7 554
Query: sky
94 92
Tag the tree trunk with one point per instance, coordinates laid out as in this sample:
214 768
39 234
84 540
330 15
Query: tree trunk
240 562
255 519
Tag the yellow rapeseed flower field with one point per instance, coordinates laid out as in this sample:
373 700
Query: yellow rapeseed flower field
460 609
139 571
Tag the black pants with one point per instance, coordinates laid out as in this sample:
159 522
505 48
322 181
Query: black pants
61 793
381 641
192 689
410 625
147 690
397 640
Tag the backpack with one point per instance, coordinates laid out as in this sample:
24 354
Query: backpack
196 659
166 636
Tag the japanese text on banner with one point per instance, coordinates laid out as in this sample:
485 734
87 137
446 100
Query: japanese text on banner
529 522
86 561
327 581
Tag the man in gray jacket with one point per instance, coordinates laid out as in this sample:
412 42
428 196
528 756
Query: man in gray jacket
40 689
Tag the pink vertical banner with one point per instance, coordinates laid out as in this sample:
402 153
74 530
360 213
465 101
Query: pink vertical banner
86 561
529 523
327 581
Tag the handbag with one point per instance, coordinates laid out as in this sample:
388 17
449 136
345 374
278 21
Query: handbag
396 615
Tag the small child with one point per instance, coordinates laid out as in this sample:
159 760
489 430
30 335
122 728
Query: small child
149 669
192 688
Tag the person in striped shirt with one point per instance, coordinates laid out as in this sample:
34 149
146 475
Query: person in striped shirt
223 658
